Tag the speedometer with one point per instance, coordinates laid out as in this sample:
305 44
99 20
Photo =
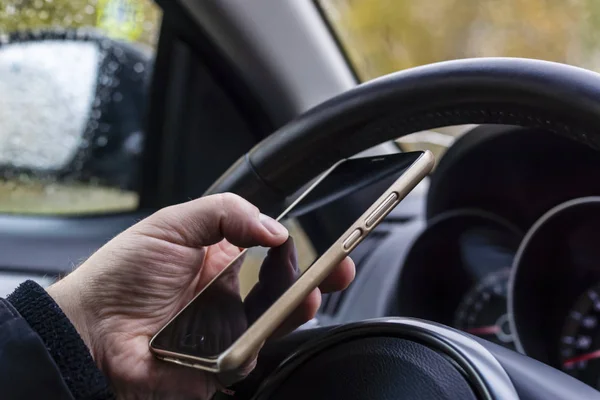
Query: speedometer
580 339
483 310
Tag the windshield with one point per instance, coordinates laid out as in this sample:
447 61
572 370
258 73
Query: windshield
384 36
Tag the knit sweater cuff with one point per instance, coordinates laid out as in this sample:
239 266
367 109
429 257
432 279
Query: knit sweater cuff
82 376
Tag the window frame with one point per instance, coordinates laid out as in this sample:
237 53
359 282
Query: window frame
54 245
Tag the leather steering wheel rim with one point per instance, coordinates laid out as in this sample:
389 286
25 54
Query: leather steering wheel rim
554 97
473 359
511 91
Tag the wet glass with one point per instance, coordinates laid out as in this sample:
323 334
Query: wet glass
73 87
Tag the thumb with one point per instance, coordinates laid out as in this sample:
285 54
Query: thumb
208 220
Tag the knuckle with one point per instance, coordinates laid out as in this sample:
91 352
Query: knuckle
228 199
232 201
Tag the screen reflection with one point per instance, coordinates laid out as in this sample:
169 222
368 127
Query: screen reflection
209 327
225 309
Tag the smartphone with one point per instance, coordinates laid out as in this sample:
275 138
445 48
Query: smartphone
225 325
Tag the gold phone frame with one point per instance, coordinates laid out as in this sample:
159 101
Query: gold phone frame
248 344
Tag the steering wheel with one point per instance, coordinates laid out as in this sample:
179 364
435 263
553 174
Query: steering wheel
403 358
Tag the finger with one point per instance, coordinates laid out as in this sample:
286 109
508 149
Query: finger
208 220
340 278
302 314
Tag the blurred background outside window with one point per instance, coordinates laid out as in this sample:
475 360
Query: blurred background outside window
74 75
384 36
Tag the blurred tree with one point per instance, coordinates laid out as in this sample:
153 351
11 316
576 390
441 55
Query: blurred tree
134 20
383 36
590 32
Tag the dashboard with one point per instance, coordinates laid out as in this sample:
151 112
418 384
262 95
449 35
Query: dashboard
506 248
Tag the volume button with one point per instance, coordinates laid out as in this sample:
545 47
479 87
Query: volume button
352 239
385 206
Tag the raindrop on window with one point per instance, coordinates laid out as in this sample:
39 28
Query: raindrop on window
113 66
101 141
44 14
134 142
118 97
15 141
78 18
10 9
30 13
50 189
96 114
38 4
81 33
24 178
139 67
89 9
15 68
11 184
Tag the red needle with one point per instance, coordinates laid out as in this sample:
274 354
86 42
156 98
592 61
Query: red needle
582 357
484 330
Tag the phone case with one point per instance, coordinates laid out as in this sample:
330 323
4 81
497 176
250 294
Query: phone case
250 342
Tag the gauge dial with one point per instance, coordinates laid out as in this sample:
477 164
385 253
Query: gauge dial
580 339
483 310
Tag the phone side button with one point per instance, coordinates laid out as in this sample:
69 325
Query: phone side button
383 208
352 239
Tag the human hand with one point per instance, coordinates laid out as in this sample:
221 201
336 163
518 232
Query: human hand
130 288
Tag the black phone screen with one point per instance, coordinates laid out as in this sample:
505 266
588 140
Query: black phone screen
225 309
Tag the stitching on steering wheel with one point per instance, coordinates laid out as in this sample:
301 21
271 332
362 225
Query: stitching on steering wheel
491 114
391 125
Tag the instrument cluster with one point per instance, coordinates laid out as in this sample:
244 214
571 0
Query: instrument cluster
536 292
511 249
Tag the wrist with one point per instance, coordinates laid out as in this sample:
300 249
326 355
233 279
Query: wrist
68 298
62 340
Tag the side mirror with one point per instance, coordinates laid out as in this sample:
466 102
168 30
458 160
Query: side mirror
72 104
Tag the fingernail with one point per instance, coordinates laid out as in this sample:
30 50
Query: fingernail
273 226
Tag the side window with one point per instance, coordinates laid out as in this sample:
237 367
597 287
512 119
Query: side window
73 88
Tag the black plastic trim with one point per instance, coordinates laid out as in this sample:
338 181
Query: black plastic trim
54 245
182 42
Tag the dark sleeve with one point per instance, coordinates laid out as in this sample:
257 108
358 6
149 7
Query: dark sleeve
41 353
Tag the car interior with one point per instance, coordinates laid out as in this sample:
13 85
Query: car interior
484 283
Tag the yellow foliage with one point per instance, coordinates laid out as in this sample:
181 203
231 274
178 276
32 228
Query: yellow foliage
382 36
134 20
